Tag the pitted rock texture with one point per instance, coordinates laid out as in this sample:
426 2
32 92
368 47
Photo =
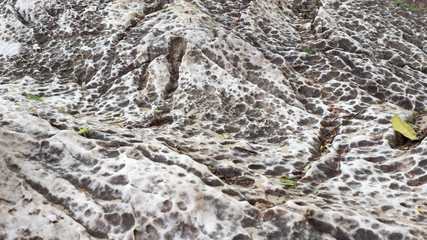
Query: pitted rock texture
194 109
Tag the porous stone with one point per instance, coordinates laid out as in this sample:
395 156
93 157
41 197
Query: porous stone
193 109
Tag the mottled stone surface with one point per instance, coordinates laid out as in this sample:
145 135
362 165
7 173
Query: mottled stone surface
195 108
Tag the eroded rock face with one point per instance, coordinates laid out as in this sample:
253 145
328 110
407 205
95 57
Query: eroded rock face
195 108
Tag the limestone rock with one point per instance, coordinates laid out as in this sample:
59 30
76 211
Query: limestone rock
194 109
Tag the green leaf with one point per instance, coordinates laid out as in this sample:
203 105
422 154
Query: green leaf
315 191
398 3
307 167
82 131
32 96
404 128
157 111
309 49
226 135
287 182
414 9
413 126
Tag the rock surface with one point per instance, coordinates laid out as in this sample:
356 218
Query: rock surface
195 108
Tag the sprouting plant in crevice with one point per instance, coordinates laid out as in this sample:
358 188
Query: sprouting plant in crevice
316 190
82 131
311 50
409 7
34 97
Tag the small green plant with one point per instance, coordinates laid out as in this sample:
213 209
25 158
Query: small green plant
400 4
414 9
226 135
409 7
288 182
287 197
32 96
311 50
315 191
83 131
307 167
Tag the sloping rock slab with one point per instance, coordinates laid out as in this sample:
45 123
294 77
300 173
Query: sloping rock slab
168 119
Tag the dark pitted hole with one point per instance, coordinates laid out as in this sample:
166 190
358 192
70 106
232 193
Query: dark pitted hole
405 205
386 208
181 205
376 159
256 166
112 154
276 171
418 181
261 201
394 186
344 189
320 226
213 182
365 143
230 172
118 180
241 236
88 212
113 218
166 206
241 181
300 203
363 234
387 168
233 193
395 236
417 171
231 128
151 232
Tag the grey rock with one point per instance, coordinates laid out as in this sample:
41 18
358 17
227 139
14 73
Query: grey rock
194 109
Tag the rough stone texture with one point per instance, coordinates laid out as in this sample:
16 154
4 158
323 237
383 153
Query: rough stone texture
195 108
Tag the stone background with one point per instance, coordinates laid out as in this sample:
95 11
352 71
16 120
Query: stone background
195 108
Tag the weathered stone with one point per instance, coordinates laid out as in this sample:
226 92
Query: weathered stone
194 109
